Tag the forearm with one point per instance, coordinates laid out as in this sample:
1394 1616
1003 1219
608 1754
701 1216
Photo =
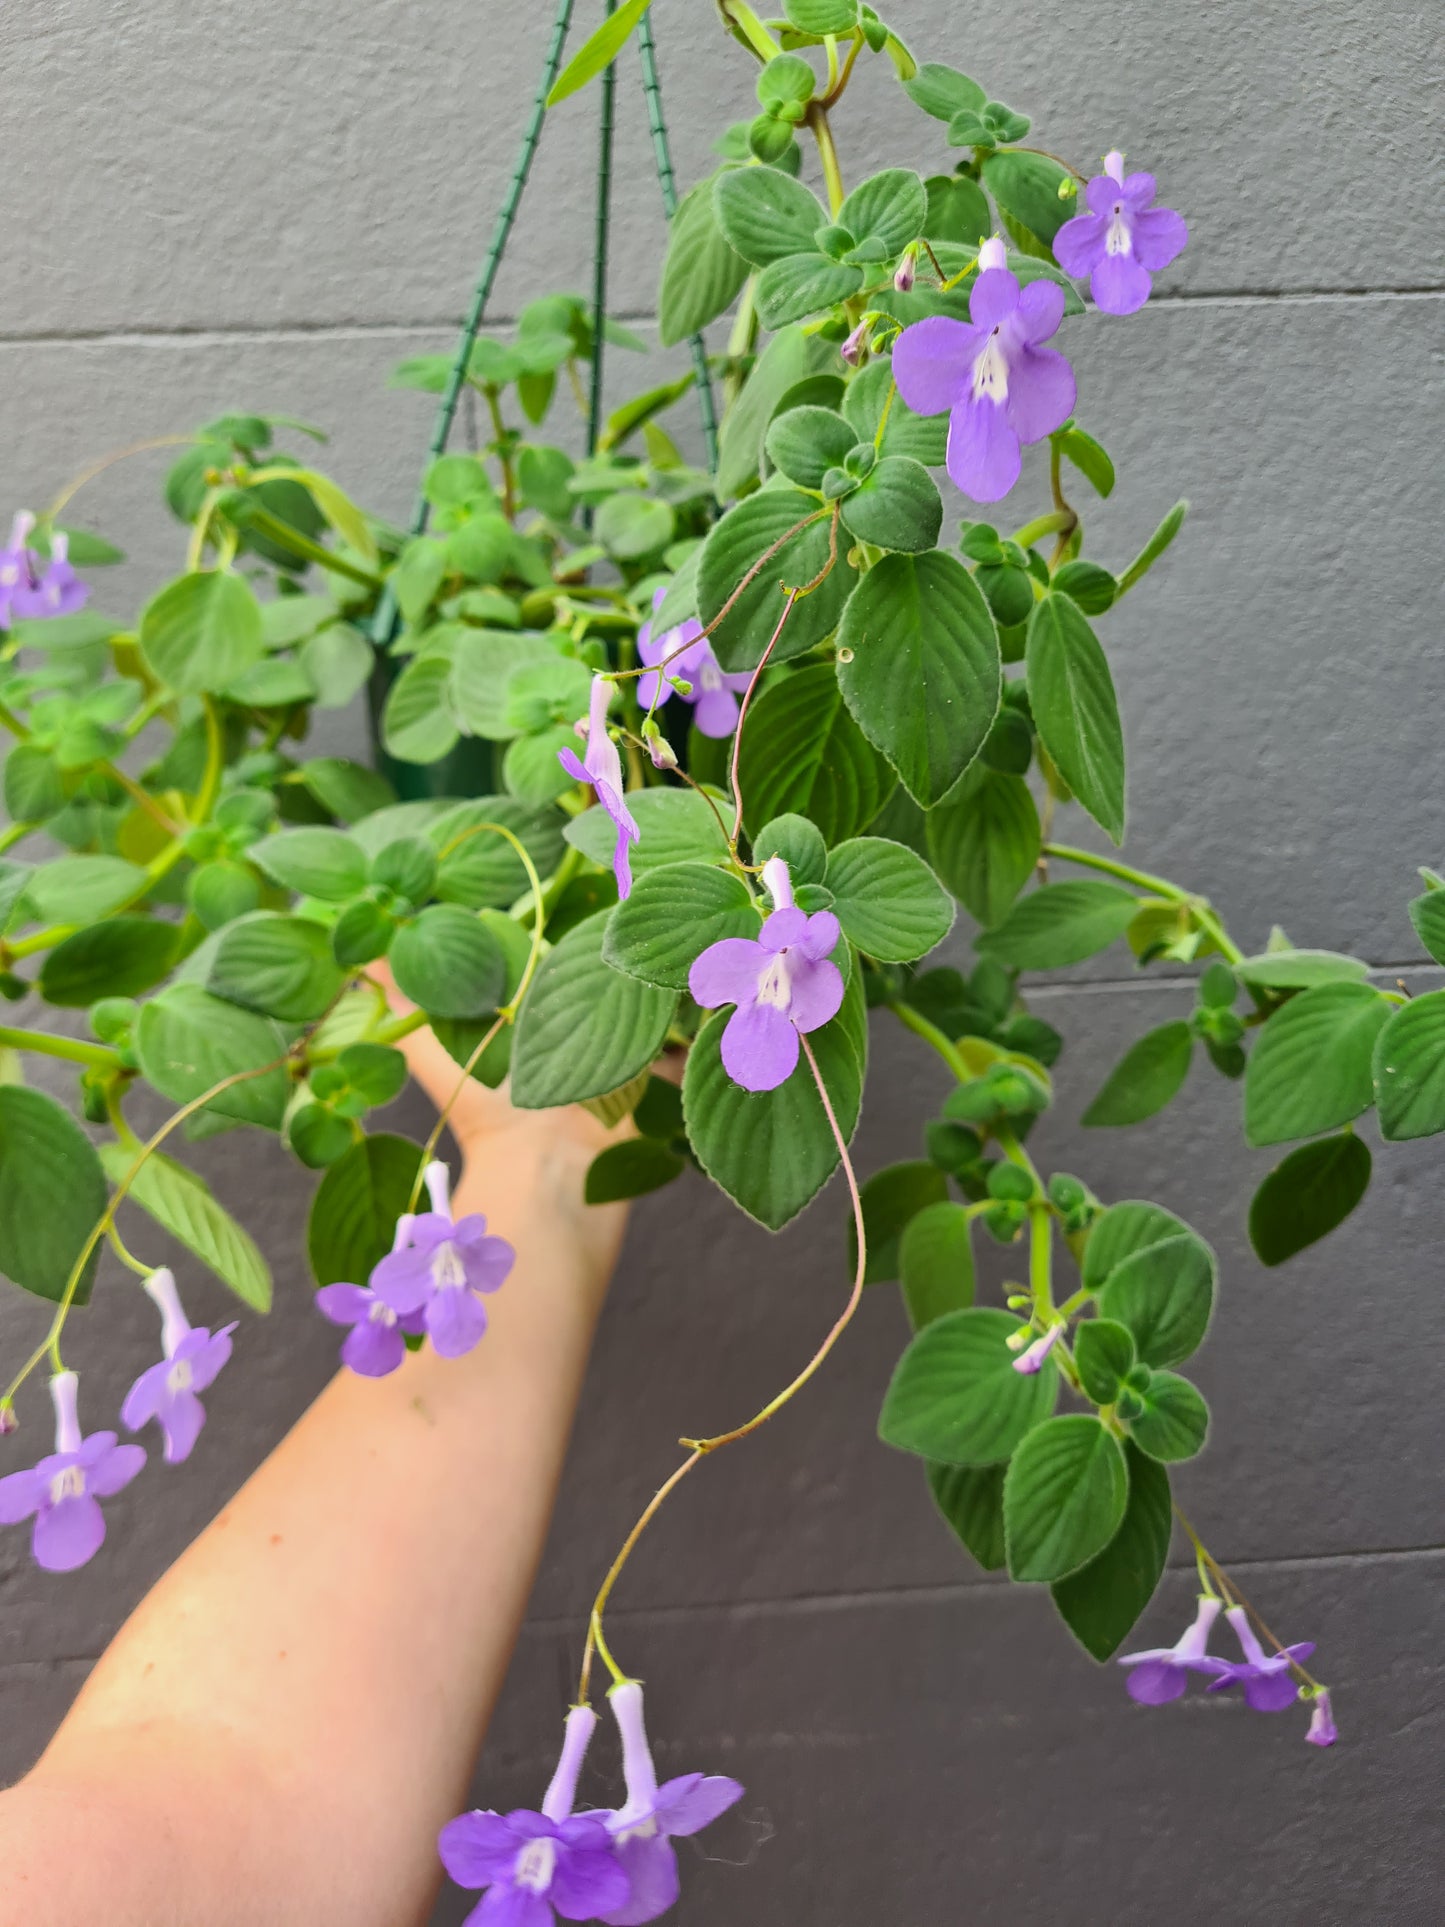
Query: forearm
281 1727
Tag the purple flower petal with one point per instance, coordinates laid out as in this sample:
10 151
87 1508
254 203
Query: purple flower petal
342 1304
511 1907
1079 244
1138 190
1154 1682
694 1800
1040 310
1159 235
114 1471
650 1864
587 1881
1270 1692
68 1534
143 1400
373 1349
477 1848
1041 390
786 927
574 767
983 450
404 1278
760 1047
181 1417
933 363
1102 193
817 994
716 712
820 939
20 1495
994 298
206 1353
1119 285
455 1321
727 972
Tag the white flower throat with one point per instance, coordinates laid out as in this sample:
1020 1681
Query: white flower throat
775 984
1116 237
178 1378
535 1865
990 372
69 1483
448 1273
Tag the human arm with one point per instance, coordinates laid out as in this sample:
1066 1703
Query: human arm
278 1731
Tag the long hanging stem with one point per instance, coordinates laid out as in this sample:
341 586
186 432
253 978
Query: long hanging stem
1203 915
384 624
698 1449
599 261
668 183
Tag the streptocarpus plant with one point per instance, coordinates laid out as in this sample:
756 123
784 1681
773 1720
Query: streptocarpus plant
753 734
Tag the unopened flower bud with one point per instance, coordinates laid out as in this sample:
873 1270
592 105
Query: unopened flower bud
681 685
906 273
1017 1301
778 883
993 254
852 349
1114 165
1068 188
8 1421
1323 1731
658 747
1032 1360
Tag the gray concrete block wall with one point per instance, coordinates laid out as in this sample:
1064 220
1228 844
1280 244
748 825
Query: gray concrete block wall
272 218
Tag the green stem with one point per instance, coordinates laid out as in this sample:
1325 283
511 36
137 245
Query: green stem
15 833
72 1048
747 25
1051 524
932 1035
504 455
309 551
828 155
1041 1249
1203 915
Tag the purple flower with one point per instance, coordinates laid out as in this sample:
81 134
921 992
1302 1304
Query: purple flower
1162 1673
62 1491
1122 240
24 591
1032 1360
17 570
715 705
602 768
1265 1677
168 1392
438 1269
1323 1731
538 1865
1000 386
376 1343
644 1829
781 982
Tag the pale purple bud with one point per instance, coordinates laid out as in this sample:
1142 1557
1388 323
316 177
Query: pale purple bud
1323 1731
160 1287
993 254
906 273
439 1188
852 349
1114 165
1032 1360
658 748
778 883
8 1421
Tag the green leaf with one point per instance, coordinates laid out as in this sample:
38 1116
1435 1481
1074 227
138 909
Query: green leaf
1061 924
181 1204
631 527
598 51
1075 709
1103 1352
1409 1069
1093 588
347 790
955 1396
318 1136
1147 1077
702 272
202 631
943 91
971 1501
1150 1272
822 16
925 438
1089 457
888 209
888 901
738 542
801 285
1063 1497
676 826
766 216
418 724
448 962
1306 1196
1102 1601
936 1263
187 1040
803 754
336 661
897 506
1310 1069
585 1029
771 1151
892 1198
1175 1421
630 1170
1427 913
1026 187
671 917
1156 545
78 889
806 442
118 958
984 841
798 842
922 681
1299 969
52 1192
353 1218
341 512
479 869
790 357
314 861
34 790
280 965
